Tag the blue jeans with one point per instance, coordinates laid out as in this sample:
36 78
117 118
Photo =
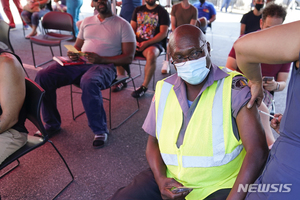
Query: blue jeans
73 8
227 3
92 78
33 18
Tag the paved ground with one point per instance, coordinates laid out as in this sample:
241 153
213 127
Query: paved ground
98 173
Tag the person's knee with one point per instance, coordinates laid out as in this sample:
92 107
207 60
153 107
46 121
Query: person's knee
203 22
151 55
41 77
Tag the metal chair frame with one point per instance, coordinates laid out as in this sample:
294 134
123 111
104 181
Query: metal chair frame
118 80
58 21
5 35
33 99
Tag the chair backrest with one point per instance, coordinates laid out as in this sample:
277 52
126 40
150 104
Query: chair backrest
4 34
33 100
58 21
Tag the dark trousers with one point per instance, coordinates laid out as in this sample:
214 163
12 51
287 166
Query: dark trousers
92 79
144 187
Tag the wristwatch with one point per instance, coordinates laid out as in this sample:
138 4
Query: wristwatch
277 87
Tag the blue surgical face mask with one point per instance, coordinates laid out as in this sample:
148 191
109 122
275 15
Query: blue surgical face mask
193 71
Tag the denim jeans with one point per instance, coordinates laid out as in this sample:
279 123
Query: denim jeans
33 18
73 8
92 78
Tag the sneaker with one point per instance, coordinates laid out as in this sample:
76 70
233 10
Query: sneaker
139 92
120 86
165 68
100 140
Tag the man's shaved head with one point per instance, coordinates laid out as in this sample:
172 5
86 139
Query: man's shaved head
186 36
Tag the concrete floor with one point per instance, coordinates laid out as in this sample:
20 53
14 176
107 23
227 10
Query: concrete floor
98 173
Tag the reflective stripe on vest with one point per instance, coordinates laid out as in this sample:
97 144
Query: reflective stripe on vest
219 157
161 106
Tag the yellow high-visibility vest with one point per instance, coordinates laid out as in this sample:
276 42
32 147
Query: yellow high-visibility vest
210 156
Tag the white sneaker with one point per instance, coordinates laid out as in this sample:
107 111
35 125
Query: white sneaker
165 67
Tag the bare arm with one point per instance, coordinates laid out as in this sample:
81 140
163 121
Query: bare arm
173 23
193 22
128 49
243 28
163 33
268 49
254 141
212 19
12 90
281 82
231 63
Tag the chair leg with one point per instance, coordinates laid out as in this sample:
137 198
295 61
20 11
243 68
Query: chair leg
14 167
67 168
32 54
72 105
139 64
138 107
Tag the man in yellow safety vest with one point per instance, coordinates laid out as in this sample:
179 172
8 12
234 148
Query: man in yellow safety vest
203 142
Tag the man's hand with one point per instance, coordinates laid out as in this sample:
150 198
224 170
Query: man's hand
270 85
142 46
165 185
256 92
73 56
275 122
93 57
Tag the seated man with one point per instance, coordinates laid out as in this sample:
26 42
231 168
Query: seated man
13 134
206 14
114 46
201 135
150 23
272 15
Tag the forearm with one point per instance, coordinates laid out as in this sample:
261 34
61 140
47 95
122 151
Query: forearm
159 37
154 159
117 60
280 85
212 19
251 168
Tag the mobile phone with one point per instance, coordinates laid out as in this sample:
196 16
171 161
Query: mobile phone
180 189
268 78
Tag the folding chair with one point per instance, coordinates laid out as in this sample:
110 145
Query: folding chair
34 95
49 7
5 35
58 21
118 80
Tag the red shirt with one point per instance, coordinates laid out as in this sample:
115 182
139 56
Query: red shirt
267 69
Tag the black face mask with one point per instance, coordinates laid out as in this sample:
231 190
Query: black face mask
259 6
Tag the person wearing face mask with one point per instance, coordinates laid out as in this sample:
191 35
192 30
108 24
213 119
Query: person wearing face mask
251 21
206 14
203 142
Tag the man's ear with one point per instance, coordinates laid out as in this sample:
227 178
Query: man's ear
260 23
208 48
